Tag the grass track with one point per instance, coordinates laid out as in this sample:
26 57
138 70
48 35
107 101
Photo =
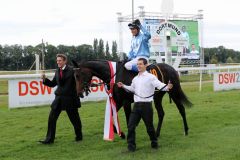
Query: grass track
213 122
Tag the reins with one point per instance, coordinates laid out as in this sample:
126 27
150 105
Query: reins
87 85
157 90
105 83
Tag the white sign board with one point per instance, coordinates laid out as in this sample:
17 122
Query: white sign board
226 81
32 92
157 43
179 41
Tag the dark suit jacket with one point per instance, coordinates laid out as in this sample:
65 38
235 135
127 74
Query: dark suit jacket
65 94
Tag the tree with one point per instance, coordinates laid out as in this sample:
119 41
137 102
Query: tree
100 50
95 47
85 52
214 59
50 56
221 53
1 59
229 60
108 55
28 57
114 51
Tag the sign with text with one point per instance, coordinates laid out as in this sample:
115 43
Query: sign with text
32 92
188 29
226 81
177 41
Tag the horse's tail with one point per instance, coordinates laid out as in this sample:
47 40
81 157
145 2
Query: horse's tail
171 74
182 97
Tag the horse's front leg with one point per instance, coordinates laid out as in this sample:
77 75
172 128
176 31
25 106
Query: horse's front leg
127 111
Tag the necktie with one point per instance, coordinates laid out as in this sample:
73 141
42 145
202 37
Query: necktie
61 73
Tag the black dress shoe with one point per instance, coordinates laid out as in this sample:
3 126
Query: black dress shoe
45 142
131 148
78 138
154 145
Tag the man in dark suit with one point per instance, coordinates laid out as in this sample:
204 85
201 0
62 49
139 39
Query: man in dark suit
65 99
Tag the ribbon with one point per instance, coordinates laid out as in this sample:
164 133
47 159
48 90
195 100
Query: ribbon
111 115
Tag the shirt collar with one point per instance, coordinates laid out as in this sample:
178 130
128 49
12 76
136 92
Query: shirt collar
64 67
143 74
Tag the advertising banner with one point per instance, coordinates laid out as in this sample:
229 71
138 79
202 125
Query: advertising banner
188 29
226 81
32 92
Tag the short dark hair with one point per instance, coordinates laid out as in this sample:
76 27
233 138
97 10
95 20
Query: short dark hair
63 56
144 60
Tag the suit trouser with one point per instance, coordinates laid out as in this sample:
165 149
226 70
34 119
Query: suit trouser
52 120
141 110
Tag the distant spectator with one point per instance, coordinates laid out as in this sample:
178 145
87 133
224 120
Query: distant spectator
194 54
186 36
193 50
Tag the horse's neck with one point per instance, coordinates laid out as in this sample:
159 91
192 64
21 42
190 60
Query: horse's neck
124 75
100 69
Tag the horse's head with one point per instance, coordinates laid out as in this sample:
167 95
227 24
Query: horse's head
83 77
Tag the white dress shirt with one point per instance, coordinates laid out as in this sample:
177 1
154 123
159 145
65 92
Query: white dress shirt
64 67
143 85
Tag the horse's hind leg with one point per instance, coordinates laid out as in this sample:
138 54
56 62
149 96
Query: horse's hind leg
127 111
181 110
158 105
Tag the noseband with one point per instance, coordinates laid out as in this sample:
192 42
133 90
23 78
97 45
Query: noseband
86 85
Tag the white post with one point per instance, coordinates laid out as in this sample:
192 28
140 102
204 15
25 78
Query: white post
200 22
43 63
168 52
120 43
200 83
37 63
132 10
167 9
141 13
200 30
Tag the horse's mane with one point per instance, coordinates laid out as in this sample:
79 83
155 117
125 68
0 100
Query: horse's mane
85 63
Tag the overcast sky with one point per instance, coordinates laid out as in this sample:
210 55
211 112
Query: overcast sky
75 22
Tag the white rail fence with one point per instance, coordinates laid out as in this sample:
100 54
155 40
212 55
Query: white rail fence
210 69
27 89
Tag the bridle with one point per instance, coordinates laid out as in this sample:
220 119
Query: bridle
86 85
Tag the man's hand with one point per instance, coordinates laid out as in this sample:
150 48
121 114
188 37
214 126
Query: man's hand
137 22
170 85
120 84
43 76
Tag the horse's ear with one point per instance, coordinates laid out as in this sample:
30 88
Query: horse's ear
75 63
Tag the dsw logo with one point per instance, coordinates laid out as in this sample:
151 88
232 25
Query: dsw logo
32 88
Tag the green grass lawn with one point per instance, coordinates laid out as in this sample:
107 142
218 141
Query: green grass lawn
213 135
195 77
3 87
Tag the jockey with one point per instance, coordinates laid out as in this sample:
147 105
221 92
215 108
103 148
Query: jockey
139 45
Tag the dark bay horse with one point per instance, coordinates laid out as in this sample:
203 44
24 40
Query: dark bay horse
100 68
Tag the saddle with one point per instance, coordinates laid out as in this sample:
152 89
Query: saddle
151 68
155 70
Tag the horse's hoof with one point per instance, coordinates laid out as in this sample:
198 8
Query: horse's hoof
122 135
186 133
